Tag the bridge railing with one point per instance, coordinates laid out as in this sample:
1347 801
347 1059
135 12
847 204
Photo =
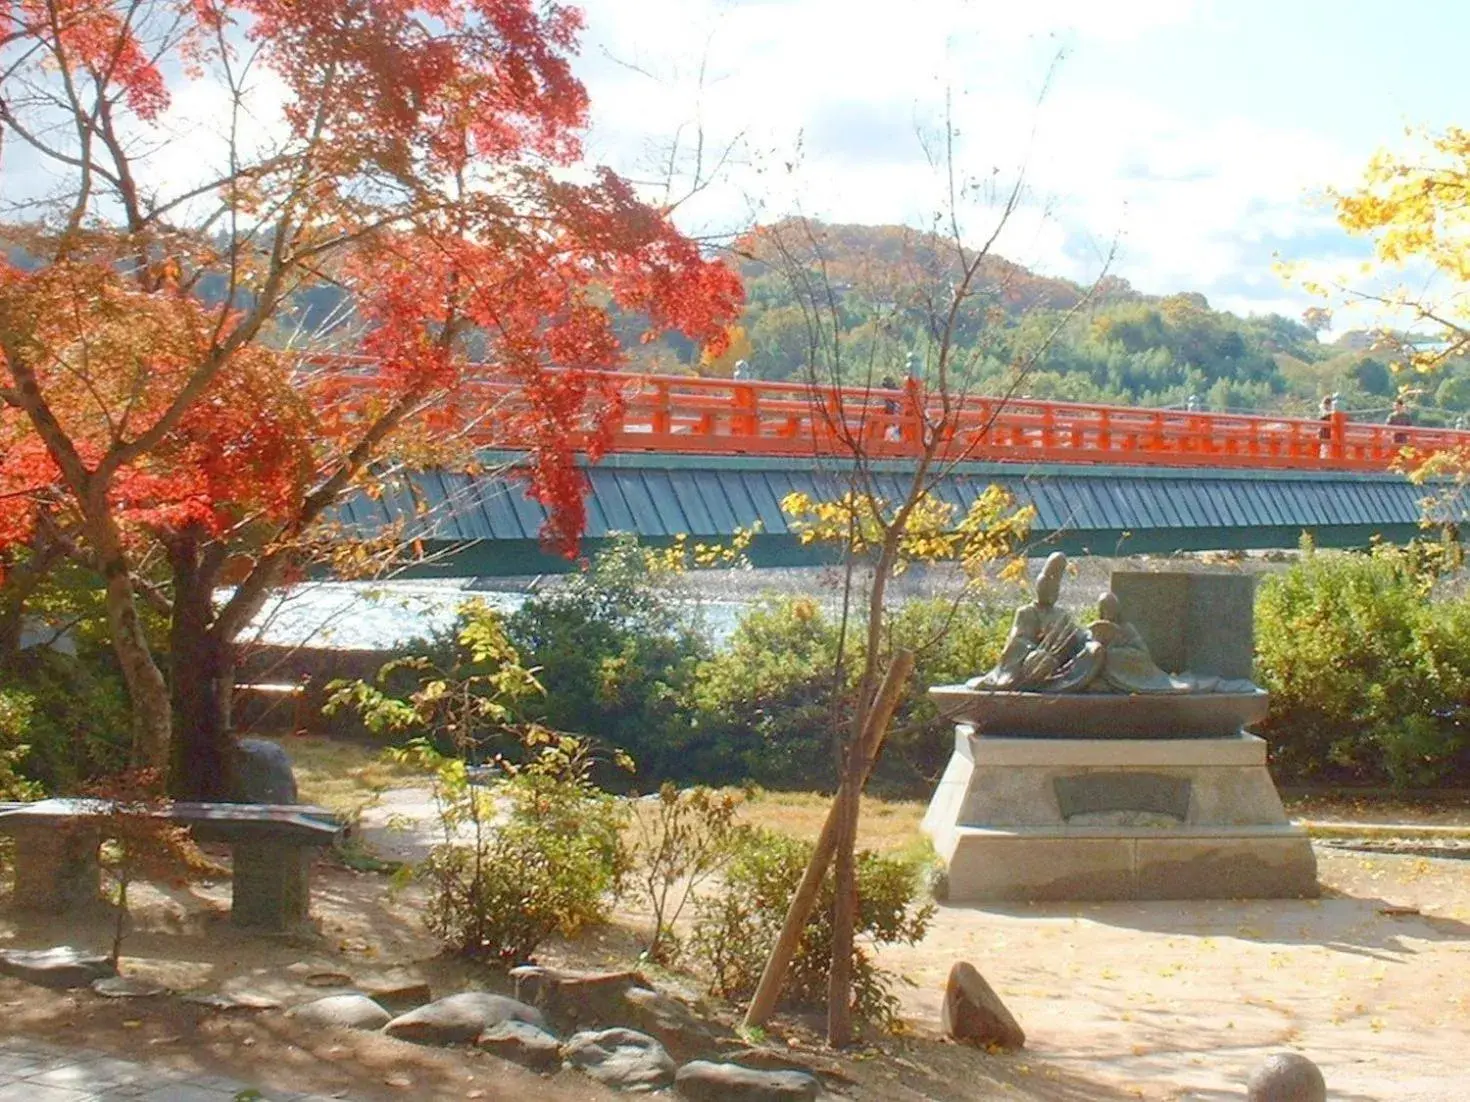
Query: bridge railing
668 413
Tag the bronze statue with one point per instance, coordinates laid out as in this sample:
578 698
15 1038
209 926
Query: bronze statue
1047 653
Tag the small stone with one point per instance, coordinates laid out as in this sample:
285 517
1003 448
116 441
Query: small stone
531 980
343 1012
973 1012
234 1000
63 966
621 1058
329 979
1287 1077
128 987
772 1059
703 1081
522 1043
460 1019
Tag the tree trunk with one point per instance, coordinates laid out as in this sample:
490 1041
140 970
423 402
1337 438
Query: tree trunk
768 991
203 679
147 689
12 605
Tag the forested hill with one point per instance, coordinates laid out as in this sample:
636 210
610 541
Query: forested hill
1121 346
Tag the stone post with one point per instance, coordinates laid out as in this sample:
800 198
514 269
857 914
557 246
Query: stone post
56 867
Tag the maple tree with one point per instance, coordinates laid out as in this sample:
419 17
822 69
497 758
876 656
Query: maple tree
1416 209
163 392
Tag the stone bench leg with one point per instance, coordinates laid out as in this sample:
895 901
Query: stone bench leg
56 868
271 889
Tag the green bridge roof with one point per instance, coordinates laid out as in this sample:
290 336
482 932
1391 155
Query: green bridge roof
488 526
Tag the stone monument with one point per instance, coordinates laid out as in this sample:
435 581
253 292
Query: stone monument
1112 760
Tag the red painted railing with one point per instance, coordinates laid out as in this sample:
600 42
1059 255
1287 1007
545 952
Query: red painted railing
684 414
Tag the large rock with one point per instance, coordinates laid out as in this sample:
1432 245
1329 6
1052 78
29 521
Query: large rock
522 1043
574 1000
460 1019
674 1025
621 1058
1287 1077
703 1081
973 1013
63 966
262 774
343 1012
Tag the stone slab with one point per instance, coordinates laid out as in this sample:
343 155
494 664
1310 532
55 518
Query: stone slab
1107 717
1237 750
1082 819
1098 864
1192 622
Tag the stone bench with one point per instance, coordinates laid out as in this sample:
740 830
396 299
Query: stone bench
272 846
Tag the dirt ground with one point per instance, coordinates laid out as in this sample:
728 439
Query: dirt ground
1151 1000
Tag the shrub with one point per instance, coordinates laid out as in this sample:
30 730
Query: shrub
16 712
539 849
735 930
764 705
767 702
535 854
679 840
72 714
1369 678
616 648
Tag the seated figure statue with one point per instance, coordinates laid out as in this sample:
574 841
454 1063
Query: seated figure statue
1045 651
1126 665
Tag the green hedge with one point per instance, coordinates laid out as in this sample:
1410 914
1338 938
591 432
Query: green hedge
1368 670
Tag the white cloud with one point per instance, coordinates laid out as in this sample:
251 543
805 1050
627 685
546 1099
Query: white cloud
832 98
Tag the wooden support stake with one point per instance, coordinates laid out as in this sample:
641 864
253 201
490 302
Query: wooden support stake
763 1002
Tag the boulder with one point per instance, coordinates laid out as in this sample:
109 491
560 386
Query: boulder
974 1014
1287 1077
703 1081
573 1000
343 1012
674 1025
522 1043
63 966
621 1058
262 774
460 1019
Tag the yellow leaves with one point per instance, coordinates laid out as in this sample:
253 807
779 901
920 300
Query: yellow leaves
680 556
990 530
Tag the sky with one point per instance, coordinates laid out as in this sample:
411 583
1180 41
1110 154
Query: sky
1195 136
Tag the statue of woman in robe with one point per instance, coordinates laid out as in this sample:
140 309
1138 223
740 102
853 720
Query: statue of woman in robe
1045 651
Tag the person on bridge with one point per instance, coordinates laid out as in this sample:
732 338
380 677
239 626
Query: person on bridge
1400 417
1324 434
890 407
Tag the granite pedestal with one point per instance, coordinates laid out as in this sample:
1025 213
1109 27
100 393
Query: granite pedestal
1020 819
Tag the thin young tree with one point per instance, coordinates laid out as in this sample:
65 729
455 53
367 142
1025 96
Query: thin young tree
943 291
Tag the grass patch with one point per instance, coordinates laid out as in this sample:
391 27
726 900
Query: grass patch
884 826
341 775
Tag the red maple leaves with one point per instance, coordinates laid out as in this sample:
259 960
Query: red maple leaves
422 169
